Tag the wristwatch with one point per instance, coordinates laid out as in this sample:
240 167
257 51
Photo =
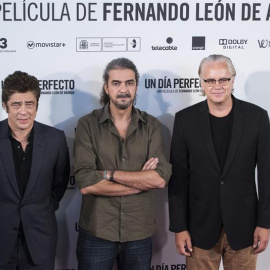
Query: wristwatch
105 175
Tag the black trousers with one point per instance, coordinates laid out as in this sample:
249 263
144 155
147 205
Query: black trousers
21 258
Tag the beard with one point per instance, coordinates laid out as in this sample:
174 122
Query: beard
122 105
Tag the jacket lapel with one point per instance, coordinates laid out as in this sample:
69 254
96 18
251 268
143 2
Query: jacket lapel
237 128
207 134
7 156
37 157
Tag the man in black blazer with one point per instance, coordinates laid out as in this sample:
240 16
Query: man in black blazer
216 145
34 172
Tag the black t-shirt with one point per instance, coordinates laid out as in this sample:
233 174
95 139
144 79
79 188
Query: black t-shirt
221 128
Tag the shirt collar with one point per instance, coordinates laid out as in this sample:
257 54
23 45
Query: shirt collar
30 137
105 115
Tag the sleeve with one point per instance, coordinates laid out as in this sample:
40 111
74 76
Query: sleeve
156 149
61 172
85 169
178 184
263 170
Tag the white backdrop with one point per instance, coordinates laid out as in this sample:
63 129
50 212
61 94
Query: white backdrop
66 45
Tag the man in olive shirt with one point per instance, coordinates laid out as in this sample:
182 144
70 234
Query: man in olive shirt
119 161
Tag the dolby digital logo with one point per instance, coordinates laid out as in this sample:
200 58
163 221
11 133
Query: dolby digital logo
233 44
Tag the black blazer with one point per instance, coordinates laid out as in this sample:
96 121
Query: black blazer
46 186
202 199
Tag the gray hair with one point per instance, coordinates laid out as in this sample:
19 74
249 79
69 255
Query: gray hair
217 58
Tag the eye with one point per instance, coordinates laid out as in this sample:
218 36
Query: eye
115 83
210 81
15 105
223 80
130 83
29 105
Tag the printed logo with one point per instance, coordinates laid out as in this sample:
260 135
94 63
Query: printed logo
164 266
108 44
173 85
71 185
169 40
43 45
88 44
30 44
233 44
84 45
57 87
134 44
114 44
264 43
169 47
4 46
198 43
223 42
3 43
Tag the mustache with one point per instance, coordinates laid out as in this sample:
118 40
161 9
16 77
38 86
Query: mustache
124 95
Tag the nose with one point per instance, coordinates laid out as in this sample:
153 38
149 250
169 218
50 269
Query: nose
23 109
124 87
217 84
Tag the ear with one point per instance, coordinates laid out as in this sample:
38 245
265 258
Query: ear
4 106
105 87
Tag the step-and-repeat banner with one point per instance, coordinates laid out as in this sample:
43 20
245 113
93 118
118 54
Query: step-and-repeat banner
67 44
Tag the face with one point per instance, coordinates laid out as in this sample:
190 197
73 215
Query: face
121 88
21 109
217 93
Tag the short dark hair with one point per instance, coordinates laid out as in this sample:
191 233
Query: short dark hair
20 82
118 63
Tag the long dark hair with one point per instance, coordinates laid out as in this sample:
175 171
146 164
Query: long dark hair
119 63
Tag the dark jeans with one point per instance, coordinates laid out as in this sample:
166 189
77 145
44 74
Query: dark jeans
94 253
21 259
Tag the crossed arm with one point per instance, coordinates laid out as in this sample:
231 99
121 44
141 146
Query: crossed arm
127 183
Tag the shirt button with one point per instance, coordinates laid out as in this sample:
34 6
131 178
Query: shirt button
122 213
123 159
23 158
19 147
221 182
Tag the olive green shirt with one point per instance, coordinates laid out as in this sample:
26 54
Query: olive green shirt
98 147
